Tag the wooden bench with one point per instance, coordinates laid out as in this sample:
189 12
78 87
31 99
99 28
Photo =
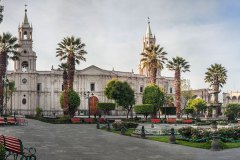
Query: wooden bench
155 120
188 121
15 148
2 121
11 120
88 120
22 121
171 120
75 120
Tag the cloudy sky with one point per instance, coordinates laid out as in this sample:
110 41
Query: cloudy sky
203 32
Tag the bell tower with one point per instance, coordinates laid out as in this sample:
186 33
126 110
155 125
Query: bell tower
148 40
27 59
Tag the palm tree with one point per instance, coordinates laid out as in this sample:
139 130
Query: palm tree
216 75
63 66
178 64
153 59
72 50
8 50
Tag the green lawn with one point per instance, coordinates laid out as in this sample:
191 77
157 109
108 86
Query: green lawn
127 133
165 139
204 145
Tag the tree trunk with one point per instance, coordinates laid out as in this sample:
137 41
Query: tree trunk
153 75
3 65
65 97
178 92
71 70
128 111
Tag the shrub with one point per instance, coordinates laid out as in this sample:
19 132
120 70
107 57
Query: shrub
2 151
153 95
194 133
38 112
185 132
73 101
199 133
229 133
120 124
232 111
144 109
106 107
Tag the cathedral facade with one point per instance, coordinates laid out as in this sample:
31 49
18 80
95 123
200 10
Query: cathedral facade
42 89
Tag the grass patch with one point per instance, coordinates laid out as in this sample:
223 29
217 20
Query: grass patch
203 145
229 145
128 132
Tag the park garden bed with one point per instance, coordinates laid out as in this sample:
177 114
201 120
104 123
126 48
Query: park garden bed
188 136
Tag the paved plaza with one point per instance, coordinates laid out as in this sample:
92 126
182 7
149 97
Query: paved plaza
85 142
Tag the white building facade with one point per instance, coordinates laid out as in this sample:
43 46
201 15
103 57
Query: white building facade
43 88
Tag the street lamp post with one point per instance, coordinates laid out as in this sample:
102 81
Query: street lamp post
88 97
2 98
1 10
6 94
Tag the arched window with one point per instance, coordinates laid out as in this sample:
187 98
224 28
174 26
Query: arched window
234 99
24 66
25 35
24 101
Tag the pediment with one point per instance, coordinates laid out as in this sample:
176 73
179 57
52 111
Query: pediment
94 70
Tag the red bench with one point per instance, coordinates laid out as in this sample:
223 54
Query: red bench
101 120
171 120
15 148
11 120
88 120
188 121
155 120
75 120
2 121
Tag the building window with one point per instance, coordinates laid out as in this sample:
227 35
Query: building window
25 51
62 87
92 86
141 89
39 87
24 101
25 35
24 66
170 90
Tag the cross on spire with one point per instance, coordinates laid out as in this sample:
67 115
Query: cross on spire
25 7
148 20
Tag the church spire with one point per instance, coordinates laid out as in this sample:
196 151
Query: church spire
148 32
25 21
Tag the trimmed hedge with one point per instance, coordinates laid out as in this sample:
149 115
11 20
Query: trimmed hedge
119 125
106 107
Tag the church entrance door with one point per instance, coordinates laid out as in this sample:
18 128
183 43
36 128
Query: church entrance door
93 105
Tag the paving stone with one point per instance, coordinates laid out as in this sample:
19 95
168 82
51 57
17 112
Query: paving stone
85 142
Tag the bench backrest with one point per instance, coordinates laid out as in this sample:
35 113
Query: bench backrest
2 139
12 119
87 120
2 119
171 120
75 120
156 120
13 144
187 121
